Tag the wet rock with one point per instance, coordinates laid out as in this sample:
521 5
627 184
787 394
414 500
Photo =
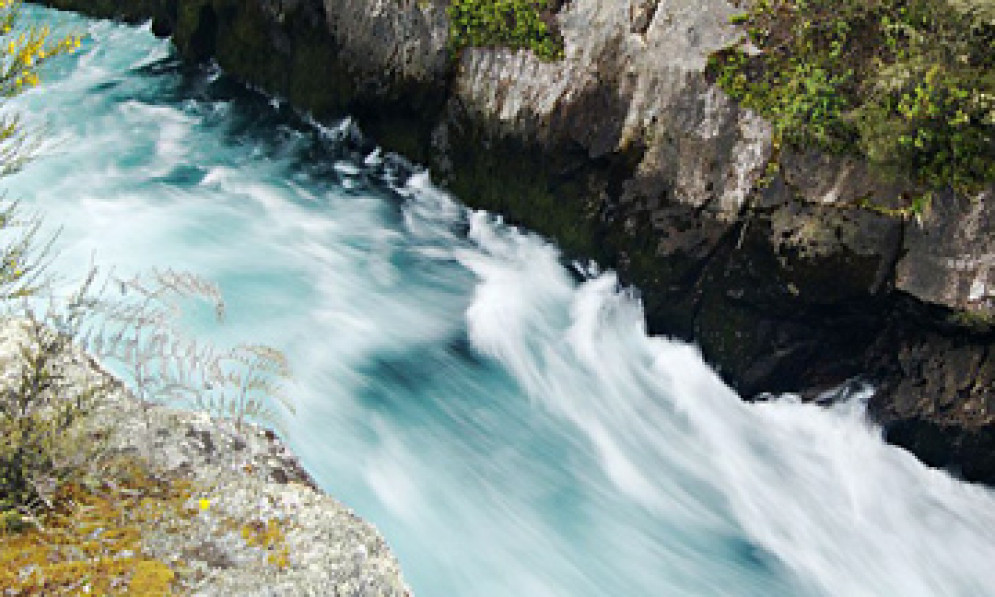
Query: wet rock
940 401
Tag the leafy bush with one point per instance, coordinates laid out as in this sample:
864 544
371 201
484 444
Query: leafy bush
22 51
72 512
511 23
907 84
43 441
37 419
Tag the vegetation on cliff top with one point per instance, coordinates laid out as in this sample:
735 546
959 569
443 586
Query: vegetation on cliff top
30 427
511 23
908 85
73 511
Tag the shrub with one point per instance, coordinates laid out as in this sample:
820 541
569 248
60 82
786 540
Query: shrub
37 422
512 23
72 513
22 51
46 440
43 439
907 84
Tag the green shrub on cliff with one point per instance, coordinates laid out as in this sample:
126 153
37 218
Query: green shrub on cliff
46 435
907 84
36 429
43 439
511 23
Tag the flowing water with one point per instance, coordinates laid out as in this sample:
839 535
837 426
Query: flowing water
506 422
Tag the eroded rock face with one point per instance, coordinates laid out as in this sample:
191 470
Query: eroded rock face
625 153
391 41
941 404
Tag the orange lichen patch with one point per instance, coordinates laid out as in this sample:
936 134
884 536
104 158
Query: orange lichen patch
268 536
90 540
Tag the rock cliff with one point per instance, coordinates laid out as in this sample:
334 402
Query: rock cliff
624 152
241 518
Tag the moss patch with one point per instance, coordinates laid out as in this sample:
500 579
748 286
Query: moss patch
908 85
512 23
90 541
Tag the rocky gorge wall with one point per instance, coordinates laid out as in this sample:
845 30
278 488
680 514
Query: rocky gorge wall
624 152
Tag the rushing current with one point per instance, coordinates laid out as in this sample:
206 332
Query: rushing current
501 416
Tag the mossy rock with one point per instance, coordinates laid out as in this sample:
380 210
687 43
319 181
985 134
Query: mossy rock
907 85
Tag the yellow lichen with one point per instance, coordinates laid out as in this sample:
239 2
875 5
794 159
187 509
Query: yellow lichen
269 536
90 541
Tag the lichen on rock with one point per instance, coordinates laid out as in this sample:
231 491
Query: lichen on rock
182 502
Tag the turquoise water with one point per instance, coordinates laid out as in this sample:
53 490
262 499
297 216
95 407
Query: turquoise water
502 419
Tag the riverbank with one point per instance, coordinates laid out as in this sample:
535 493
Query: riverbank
179 501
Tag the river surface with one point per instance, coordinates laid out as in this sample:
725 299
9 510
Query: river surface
502 418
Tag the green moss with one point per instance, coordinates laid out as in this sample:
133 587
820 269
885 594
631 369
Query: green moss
907 84
980 321
319 95
532 189
511 23
245 48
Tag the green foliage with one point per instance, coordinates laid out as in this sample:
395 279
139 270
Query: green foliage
907 84
43 441
978 321
511 23
22 51
22 258
39 435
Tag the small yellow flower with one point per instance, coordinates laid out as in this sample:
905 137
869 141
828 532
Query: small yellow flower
205 503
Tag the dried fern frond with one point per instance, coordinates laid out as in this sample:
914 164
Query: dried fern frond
253 376
138 328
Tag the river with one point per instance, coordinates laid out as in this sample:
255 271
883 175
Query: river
500 415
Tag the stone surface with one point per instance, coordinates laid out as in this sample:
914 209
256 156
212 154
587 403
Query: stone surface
950 259
942 404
